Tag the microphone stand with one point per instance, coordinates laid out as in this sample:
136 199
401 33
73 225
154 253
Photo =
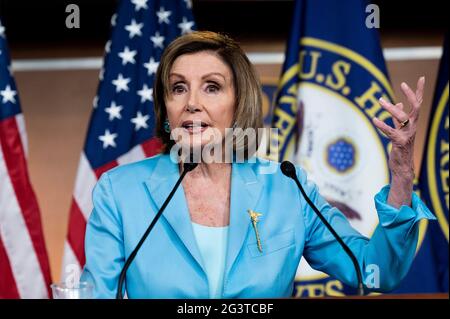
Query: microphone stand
289 170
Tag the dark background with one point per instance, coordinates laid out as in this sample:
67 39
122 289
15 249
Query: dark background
42 22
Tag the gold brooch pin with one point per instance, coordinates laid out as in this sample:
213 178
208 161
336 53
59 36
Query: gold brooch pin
254 217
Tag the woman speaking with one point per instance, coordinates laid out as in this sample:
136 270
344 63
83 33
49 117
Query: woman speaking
233 230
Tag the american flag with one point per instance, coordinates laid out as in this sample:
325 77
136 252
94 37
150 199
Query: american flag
121 128
24 265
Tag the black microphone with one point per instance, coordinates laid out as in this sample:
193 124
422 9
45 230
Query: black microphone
289 170
187 167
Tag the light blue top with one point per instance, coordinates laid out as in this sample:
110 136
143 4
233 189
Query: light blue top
212 242
170 265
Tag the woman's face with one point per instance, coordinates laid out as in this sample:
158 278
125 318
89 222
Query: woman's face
201 100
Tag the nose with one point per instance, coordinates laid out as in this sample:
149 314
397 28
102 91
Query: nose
193 103
191 108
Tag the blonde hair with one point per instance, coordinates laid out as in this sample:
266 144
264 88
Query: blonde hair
248 113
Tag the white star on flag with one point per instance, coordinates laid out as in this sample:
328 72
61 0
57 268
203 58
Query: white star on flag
139 4
158 40
114 111
134 28
188 4
95 102
108 139
113 19
186 26
2 30
145 93
127 56
151 66
121 83
140 121
108 46
163 16
8 95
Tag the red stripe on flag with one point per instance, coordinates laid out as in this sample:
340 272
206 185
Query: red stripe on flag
77 228
152 146
77 222
17 168
8 287
99 171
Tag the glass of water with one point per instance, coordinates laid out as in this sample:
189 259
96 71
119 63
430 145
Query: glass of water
80 290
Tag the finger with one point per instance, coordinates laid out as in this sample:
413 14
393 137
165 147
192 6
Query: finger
396 112
386 129
414 114
397 122
409 94
420 89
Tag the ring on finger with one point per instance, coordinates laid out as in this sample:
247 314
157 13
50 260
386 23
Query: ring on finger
404 123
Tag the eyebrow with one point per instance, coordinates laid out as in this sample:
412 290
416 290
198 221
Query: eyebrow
203 77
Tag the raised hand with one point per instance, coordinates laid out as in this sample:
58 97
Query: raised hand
402 135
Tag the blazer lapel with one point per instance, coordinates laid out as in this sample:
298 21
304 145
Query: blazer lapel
245 192
159 185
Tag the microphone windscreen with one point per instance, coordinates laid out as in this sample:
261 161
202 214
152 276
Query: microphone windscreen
288 169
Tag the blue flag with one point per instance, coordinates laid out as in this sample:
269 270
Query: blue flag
333 75
429 272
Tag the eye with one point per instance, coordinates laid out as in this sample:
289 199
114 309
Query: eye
178 88
212 88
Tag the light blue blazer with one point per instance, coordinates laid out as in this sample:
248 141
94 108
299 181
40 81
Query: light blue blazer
169 264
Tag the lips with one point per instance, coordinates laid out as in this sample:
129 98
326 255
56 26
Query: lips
195 126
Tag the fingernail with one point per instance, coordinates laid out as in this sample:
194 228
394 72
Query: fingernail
422 78
381 99
403 84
